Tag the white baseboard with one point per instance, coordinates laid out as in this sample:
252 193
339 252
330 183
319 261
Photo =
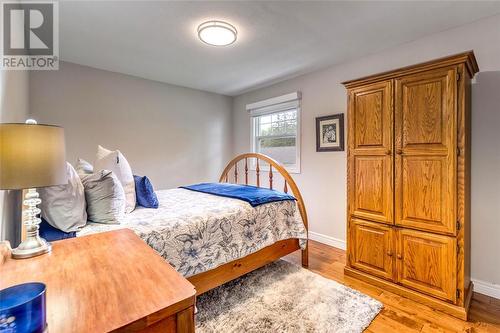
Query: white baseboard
487 288
328 240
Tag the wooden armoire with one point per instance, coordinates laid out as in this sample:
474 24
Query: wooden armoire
408 181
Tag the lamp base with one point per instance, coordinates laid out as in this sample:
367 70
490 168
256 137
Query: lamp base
31 247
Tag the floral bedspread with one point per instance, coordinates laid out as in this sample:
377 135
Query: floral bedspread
196 232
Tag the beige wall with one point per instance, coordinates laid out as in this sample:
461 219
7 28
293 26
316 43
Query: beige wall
323 175
173 135
13 108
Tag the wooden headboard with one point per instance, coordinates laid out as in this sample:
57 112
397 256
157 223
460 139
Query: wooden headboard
232 173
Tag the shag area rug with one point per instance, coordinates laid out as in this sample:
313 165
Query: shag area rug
283 297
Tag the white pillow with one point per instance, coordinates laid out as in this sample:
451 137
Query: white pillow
116 162
63 206
83 167
105 197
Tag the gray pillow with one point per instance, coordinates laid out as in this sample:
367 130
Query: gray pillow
116 162
83 167
63 206
105 197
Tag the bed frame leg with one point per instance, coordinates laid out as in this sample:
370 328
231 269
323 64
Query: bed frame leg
305 255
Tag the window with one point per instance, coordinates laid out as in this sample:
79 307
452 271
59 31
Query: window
276 129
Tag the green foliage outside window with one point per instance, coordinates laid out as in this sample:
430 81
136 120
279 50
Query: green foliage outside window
276 142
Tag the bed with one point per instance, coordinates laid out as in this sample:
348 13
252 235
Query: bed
212 239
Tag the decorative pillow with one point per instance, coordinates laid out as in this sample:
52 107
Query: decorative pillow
63 206
116 162
83 167
105 197
145 194
51 234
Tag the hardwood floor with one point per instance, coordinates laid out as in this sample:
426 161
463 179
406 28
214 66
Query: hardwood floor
401 314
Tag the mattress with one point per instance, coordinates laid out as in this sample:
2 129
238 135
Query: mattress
196 232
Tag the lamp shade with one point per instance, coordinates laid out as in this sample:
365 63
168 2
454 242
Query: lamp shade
31 156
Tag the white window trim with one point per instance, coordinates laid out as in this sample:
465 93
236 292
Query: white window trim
272 105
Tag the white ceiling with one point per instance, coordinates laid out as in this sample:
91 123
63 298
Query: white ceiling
276 40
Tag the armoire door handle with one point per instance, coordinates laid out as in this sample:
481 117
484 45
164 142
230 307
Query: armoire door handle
389 253
400 257
399 151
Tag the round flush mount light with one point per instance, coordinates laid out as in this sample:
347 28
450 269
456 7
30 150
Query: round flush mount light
217 33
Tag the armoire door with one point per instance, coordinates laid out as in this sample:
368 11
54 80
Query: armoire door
370 152
427 262
372 248
425 144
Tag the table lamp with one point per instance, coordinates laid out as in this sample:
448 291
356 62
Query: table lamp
31 156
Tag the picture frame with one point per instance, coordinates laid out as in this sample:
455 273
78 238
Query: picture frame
330 133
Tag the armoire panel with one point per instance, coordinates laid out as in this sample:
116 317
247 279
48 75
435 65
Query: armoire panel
425 126
372 248
372 177
369 116
425 111
425 194
427 262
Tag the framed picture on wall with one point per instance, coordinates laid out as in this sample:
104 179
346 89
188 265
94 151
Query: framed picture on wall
330 133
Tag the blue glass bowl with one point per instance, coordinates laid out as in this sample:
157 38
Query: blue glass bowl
23 308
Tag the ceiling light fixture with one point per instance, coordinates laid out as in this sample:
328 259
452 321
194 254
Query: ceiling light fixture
217 33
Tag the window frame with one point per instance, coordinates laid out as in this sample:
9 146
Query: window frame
273 109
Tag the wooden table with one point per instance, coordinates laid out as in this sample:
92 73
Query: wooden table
111 281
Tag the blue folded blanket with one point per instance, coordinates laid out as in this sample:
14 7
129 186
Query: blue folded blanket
255 196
